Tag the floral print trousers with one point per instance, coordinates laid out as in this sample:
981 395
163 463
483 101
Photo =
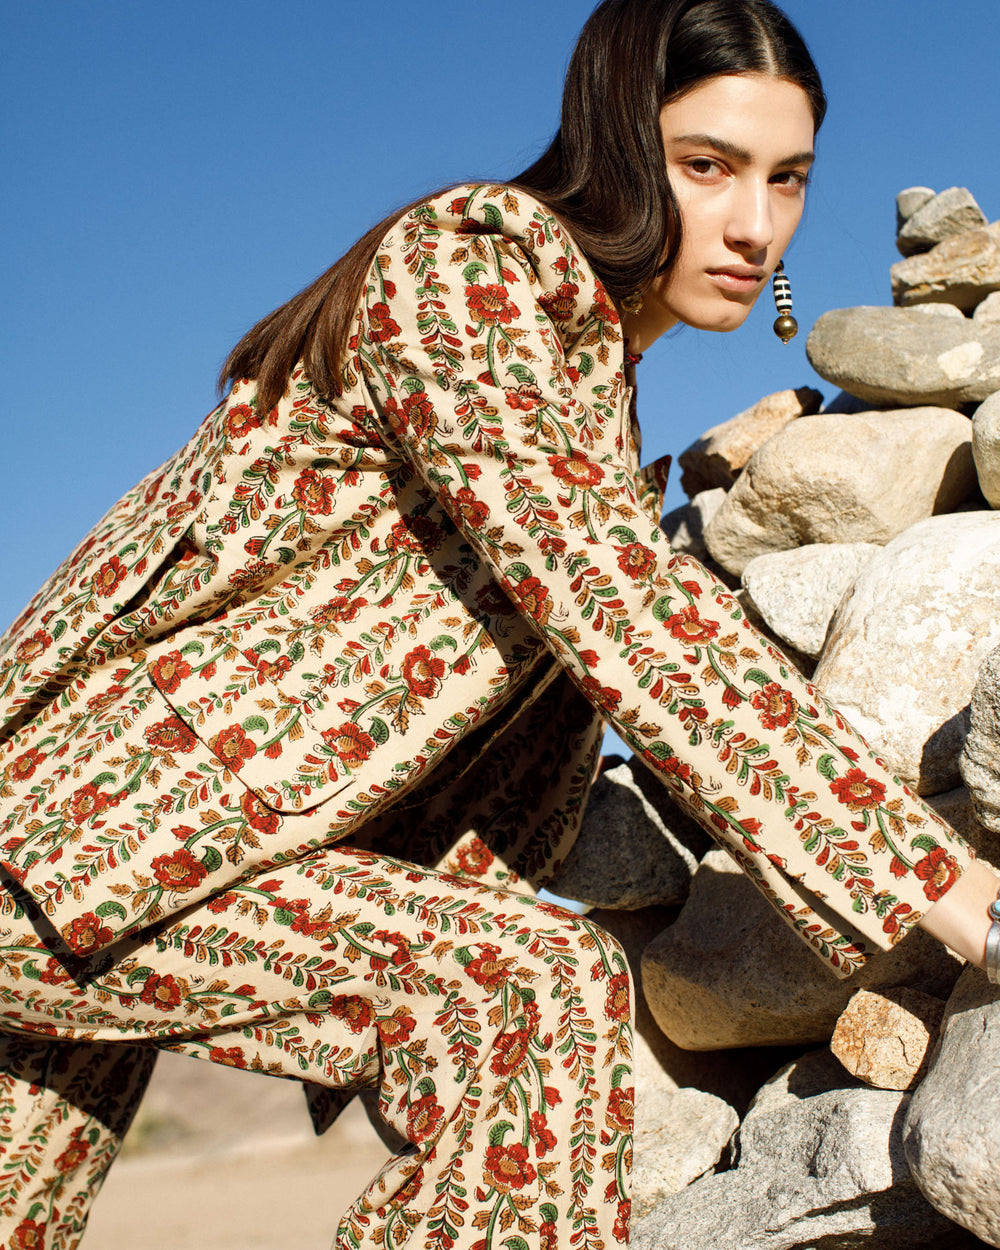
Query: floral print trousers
496 1028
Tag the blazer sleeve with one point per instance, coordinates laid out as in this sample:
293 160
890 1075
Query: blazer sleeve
488 347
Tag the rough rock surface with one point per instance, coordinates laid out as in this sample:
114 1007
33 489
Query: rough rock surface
948 213
884 1039
956 807
630 853
685 526
980 759
716 459
986 448
679 1136
908 201
906 644
843 479
962 271
796 592
952 1128
988 312
904 357
816 1169
730 973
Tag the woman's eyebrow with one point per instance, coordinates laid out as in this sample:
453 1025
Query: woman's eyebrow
735 151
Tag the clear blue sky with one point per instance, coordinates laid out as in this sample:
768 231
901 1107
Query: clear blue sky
175 170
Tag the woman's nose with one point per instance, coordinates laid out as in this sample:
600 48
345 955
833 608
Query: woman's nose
750 228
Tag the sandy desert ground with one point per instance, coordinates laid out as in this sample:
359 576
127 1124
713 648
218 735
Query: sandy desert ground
219 1159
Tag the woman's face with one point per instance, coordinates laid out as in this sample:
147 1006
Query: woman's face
738 151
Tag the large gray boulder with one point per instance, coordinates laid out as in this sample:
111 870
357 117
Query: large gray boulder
952 1128
817 1168
961 271
957 808
903 357
944 215
986 448
716 459
980 759
844 479
797 592
634 849
685 526
906 644
730 973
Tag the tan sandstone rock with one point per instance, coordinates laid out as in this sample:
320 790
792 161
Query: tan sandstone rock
962 271
884 1039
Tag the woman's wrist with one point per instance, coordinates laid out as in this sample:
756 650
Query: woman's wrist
961 919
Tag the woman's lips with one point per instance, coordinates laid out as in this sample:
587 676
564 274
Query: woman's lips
738 281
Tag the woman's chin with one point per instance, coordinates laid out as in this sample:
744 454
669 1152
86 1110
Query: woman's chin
720 320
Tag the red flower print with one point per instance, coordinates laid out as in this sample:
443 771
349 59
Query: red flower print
688 626
491 600
488 971
259 817
165 992
314 492
340 608
491 304
857 790
423 1118
106 698
620 1229
418 411
577 470
86 933
603 309
475 859
394 1030
508 1167
221 902
356 1012
86 802
545 1139
636 561
560 304
534 598
382 326
351 744
472 510
229 1057
23 767
171 735
525 399
170 670
422 672
618 1003
233 747
31 648
109 577
939 871
415 531
28 1236
775 706
620 1112
252 575
511 1053
548 1236
179 870
73 1155
240 420
603 697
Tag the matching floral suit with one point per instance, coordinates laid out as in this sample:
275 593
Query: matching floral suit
291 738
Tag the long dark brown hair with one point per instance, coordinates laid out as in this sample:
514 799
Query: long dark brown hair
603 174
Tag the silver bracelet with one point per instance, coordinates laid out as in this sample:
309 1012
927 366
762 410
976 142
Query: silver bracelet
993 942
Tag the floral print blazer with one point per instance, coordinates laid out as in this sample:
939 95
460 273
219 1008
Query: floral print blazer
312 620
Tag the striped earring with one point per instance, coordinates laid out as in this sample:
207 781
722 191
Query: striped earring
786 327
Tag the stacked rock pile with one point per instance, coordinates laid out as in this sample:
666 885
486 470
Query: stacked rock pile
862 536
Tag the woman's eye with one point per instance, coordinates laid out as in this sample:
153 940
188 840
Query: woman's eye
703 167
792 179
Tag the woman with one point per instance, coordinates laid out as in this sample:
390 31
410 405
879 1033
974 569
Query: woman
366 625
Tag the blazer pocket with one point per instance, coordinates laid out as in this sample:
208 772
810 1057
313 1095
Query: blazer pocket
257 730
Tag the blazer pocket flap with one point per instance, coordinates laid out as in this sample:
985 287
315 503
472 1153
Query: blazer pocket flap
261 733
